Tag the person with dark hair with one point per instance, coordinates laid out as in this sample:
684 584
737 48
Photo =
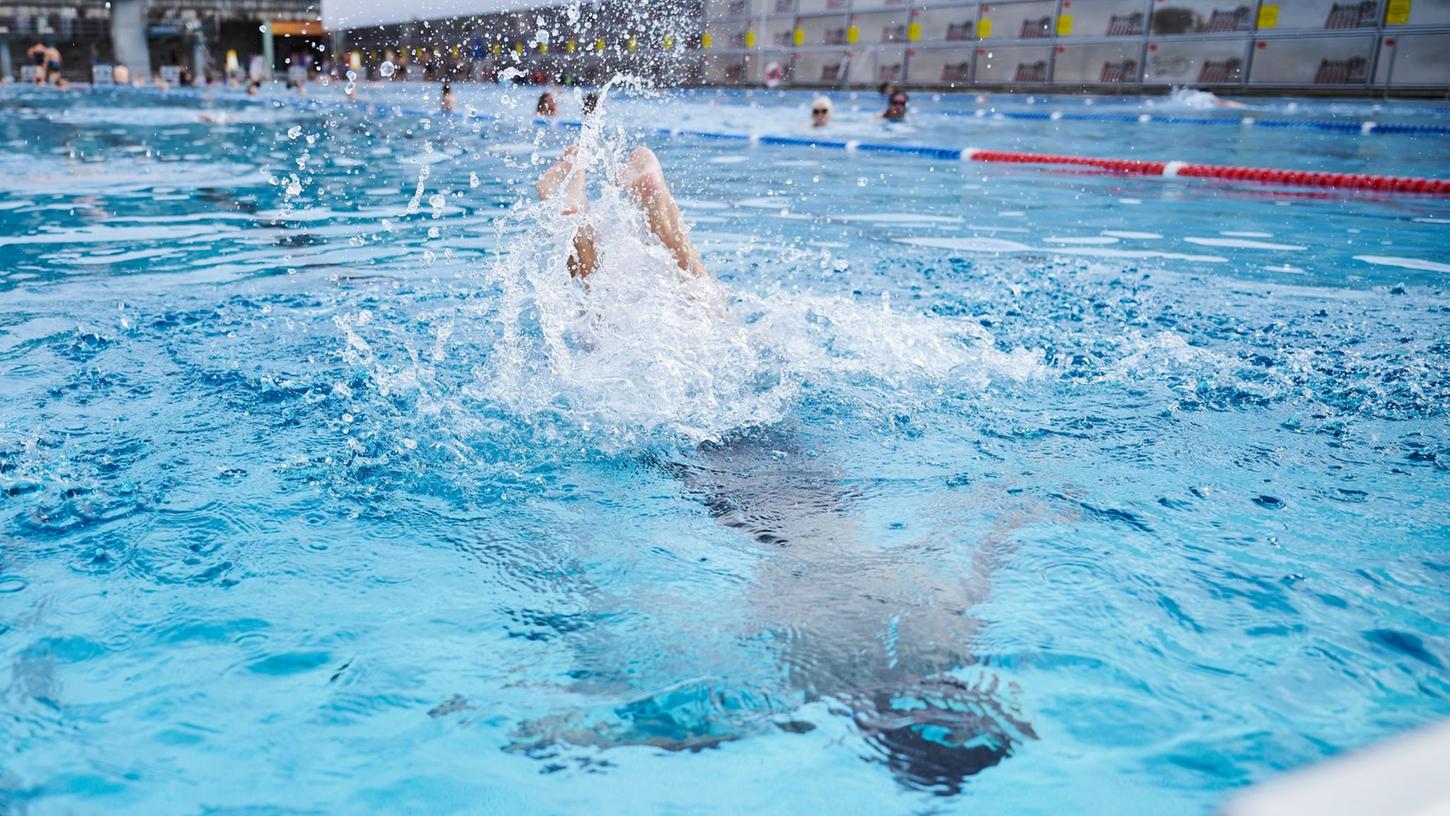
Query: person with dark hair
895 107
546 106
445 100
52 65
37 53
591 101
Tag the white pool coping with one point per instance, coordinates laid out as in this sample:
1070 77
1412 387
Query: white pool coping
1408 776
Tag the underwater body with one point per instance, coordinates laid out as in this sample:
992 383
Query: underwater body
323 485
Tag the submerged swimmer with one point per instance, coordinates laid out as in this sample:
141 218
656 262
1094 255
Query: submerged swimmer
644 181
881 636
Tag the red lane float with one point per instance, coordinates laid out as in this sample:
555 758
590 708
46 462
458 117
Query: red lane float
1261 175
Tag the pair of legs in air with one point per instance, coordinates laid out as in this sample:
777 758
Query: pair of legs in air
644 181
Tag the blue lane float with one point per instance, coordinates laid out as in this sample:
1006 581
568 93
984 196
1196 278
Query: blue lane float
1166 169
1361 127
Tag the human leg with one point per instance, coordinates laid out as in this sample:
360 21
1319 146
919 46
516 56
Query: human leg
563 179
645 181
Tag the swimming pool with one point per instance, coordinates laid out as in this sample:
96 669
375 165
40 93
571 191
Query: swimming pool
997 487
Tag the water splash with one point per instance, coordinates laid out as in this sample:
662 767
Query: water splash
644 354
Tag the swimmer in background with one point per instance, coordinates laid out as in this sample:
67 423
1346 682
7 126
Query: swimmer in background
644 181
52 67
120 74
895 108
445 100
821 112
591 101
546 106
37 53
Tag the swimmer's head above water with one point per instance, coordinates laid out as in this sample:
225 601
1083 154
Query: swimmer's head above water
821 111
895 107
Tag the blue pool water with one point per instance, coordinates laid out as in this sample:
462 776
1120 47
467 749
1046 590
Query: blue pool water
322 488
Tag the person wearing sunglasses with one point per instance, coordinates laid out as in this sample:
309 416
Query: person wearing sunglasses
821 112
895 108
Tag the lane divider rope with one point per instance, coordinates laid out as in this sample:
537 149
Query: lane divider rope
1258 175
1365 128
1325 124
1166 169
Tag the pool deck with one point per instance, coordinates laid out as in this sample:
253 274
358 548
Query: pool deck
1401 777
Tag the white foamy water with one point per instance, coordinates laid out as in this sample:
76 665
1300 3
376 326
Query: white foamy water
901 218
160 116
1243 243
1002 246
644 353
1404 263
119 235
1085 240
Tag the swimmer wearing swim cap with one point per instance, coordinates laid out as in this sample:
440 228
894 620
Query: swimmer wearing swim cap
821 111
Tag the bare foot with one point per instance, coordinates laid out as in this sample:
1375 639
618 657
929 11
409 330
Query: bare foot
562 176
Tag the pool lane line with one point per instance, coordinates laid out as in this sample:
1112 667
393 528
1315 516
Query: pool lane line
1258 175
1166 169
1353 126
1361 127
855 98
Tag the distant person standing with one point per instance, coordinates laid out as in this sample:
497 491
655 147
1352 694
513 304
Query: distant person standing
36 55
52 65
